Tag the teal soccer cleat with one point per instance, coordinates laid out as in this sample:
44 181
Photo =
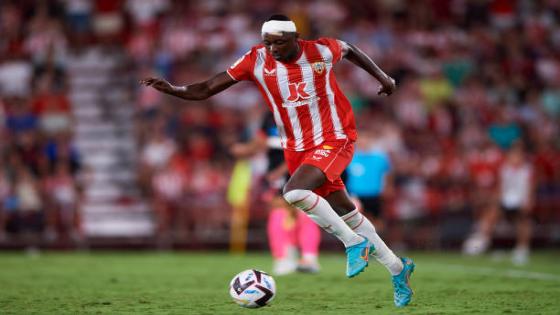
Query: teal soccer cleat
403 292
357 257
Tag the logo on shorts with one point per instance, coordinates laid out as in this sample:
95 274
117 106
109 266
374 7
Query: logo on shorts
319 154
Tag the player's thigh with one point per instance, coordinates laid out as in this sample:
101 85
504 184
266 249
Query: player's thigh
305 177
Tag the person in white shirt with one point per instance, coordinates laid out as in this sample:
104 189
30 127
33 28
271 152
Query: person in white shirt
516 193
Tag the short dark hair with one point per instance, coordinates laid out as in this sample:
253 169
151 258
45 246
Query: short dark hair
278 17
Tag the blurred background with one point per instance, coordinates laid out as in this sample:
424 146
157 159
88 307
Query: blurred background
89 159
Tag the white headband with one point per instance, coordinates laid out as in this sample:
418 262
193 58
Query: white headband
277 27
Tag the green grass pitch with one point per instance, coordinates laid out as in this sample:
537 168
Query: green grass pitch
197 283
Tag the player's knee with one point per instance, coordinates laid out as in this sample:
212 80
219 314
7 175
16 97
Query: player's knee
289 186
306 177
295 196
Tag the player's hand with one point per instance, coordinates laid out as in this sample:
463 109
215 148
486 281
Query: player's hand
158 84
387 87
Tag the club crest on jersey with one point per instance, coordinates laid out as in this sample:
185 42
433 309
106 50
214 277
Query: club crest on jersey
318 67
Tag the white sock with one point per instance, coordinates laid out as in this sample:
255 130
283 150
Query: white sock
321 212
361 225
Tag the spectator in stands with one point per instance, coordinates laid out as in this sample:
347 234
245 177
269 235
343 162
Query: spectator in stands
29 205
61 204
51 107
169 185
20 118
5 203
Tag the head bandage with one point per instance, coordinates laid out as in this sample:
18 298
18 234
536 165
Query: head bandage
278 27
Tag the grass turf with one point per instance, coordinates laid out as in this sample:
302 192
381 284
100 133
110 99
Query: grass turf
197 283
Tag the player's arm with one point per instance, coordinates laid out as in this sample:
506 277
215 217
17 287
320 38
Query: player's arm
195 92
246 149
359 58
277 172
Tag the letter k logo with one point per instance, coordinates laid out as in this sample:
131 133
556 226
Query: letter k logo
297 91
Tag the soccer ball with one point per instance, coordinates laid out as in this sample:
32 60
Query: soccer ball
252 288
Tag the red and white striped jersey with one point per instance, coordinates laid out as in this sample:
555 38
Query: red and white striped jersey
308 106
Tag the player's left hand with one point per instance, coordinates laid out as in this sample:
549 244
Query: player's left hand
387 87
158 84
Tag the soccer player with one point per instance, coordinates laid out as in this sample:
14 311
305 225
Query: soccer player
317 130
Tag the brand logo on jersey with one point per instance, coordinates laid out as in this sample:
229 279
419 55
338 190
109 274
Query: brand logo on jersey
318 67
297 92
269 72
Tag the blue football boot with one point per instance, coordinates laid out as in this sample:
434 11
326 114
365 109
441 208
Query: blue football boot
403 292
357 257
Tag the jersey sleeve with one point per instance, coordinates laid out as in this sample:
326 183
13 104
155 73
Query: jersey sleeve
242 69
334 45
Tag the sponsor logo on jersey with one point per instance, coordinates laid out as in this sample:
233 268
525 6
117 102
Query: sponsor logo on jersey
298 95
297 92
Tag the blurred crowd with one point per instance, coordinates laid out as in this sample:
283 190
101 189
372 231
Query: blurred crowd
475 78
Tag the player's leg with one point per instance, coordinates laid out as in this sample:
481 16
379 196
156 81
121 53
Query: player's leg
479 241
298 192
523 235
281 229
309 239
400 268
372 209
363 226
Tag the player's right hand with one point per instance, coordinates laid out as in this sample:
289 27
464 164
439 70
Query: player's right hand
387 87
158 84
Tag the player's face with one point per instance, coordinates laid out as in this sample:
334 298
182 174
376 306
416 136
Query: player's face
282 47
